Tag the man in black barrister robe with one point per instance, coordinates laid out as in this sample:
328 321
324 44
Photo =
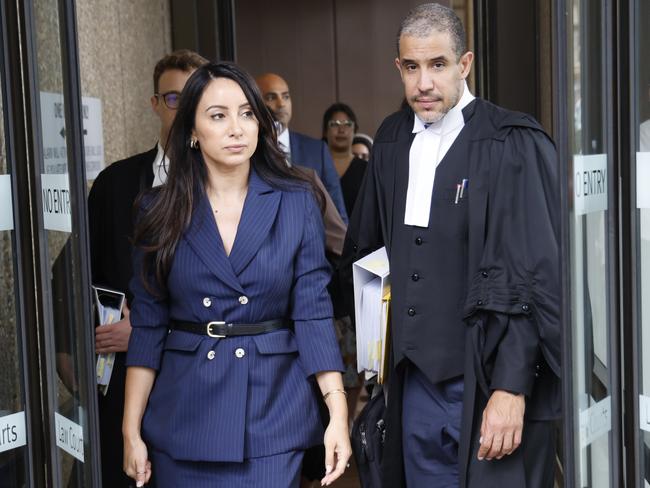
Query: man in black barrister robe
110 216
464 195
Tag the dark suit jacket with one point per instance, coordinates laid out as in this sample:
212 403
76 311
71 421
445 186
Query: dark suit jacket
512 303
313 153
252 398
110 220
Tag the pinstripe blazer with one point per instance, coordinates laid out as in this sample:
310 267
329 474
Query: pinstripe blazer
239 397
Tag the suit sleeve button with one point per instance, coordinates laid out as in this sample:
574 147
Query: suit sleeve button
207 302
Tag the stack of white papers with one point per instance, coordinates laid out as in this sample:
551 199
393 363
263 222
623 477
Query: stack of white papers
372 300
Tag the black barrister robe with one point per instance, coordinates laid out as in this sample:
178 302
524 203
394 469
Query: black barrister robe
511 307
110 219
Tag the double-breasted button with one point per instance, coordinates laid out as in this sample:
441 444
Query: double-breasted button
411 312
415 276
207 302
418 241
525 307
240 353
211 355
243 300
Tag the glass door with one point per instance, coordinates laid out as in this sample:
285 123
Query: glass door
48 425
640 195
14 456
592 246
59 190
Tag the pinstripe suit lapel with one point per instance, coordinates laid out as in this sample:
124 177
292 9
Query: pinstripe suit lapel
258 215
204 239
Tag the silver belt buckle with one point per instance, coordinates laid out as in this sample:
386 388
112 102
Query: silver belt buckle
209 329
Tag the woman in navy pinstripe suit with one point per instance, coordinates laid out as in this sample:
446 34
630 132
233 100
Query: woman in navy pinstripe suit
231 316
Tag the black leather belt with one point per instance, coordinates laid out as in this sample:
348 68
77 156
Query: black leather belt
222 329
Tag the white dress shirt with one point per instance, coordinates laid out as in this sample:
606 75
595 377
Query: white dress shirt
285 143
429 148
160 166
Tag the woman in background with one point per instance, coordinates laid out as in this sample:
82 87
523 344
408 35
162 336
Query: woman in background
339 126
362 146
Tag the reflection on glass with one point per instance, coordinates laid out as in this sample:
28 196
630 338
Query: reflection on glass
12 423
67 364
642 117
589 244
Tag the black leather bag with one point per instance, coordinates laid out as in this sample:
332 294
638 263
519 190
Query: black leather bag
368 432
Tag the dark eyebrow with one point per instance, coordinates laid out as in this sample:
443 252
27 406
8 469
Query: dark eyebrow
223 107
406 61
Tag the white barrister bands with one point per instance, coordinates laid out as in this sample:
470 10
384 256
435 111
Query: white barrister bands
6 203
12 431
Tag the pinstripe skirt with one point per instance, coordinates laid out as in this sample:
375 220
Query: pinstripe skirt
276 471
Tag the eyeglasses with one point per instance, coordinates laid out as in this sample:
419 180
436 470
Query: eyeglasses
170 98
340 123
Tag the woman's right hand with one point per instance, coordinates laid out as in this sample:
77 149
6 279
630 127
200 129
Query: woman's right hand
136 461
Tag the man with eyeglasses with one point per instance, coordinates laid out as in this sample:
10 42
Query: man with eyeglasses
110 215
300 149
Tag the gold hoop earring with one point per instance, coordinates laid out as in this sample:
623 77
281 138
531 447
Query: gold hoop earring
194 143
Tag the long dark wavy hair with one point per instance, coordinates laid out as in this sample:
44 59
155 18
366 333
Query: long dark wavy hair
165 212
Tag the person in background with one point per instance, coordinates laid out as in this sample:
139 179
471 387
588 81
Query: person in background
339 126
474 391
299 149
361 146
110 219
231 316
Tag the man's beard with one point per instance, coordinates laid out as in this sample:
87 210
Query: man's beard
432 117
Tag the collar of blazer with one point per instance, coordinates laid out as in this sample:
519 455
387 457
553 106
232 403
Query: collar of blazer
260 208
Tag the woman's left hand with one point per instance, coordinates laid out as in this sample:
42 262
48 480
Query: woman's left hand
337 450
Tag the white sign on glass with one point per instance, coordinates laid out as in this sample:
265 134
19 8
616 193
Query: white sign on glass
644 413
12 431
6 204
69 436
595 421
55 156
91 112
56 202
643 180
589 183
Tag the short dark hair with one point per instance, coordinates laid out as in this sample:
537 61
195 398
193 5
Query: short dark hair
423 19
182 59
339 107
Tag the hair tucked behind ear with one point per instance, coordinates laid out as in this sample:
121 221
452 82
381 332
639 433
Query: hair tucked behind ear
168 209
